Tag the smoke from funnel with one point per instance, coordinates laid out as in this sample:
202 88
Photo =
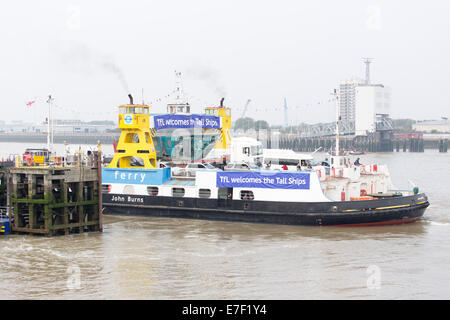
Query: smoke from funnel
208 75
85 61
114 69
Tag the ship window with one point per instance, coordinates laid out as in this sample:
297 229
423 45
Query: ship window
145 110
152 191
204 193
178 192
247 195
131 110
106 188
123 110
138 110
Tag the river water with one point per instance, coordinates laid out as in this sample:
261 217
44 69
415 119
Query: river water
160 258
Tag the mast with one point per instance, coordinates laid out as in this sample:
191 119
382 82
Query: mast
49 119
179 90
338 119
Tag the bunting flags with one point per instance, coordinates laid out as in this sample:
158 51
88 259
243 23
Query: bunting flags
162 100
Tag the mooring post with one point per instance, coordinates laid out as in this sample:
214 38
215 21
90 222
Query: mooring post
8 198
100 191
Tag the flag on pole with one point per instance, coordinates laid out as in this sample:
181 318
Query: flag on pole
30 103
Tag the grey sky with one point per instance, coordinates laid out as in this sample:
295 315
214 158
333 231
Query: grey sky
262 50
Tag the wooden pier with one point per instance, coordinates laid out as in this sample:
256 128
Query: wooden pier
56 199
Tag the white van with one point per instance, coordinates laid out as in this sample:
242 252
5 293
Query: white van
277 158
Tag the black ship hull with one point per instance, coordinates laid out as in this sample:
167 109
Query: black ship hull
384 211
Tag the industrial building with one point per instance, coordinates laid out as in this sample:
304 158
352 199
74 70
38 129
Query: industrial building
433 126
363 103
372 102
347 98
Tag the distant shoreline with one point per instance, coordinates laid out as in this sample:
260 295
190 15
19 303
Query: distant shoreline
74 138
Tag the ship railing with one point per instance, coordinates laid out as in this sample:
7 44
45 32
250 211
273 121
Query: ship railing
72 160
369 169
4 212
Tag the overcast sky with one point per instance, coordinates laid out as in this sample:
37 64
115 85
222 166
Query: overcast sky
90 54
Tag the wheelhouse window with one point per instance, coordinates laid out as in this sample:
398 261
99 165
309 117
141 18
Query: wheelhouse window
152 191
178 192
247 195
204 193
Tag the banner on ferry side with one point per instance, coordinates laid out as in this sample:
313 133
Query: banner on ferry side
177 121
282 180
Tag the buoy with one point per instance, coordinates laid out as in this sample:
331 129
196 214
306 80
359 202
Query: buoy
363 192
30 161
58 161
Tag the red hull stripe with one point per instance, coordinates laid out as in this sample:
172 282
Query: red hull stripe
382 223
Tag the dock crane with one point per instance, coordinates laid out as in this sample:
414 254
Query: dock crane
286 124
245 108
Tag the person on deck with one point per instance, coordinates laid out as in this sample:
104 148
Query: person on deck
356 163
284 167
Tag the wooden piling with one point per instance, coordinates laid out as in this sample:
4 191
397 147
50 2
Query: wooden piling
57 200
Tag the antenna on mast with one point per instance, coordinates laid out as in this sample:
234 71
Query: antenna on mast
179 90
367 61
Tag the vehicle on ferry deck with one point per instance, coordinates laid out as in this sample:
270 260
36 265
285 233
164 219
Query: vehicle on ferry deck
277 158
241 166
191 169
175 170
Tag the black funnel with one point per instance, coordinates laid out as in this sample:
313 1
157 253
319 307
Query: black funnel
131 98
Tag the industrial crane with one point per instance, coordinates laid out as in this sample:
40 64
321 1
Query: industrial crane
285 114
245 108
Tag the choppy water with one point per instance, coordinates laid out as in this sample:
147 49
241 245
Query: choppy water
152 258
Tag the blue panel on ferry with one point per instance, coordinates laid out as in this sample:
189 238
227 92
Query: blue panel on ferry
176 121
279 180
135 176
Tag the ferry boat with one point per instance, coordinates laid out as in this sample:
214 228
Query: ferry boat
338 194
